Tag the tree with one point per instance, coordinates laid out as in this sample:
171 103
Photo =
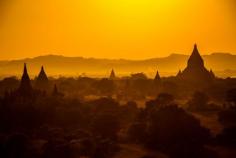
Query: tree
105 86
173 131
227 137
163 99
106 126
199 101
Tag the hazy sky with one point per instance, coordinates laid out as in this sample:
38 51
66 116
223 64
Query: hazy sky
133 29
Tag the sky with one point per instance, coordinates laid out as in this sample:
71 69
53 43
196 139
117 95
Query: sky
130 29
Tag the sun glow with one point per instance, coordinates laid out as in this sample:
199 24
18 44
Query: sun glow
115 28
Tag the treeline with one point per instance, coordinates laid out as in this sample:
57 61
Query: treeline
134 87
51 125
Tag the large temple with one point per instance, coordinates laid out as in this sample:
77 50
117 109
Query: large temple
195 70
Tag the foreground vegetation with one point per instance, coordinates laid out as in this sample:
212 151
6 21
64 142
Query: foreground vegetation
61 122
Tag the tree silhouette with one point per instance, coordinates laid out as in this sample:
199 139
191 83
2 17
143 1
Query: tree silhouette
199 101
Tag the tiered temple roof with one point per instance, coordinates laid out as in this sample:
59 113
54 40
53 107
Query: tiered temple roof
195 70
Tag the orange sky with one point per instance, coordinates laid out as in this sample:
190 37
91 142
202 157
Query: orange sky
133 29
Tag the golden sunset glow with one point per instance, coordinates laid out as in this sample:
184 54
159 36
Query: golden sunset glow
118 78
133 29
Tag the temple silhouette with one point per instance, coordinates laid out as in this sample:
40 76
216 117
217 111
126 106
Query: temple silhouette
157 77
195 70
42 81
25 84
112 75
194 73
28 90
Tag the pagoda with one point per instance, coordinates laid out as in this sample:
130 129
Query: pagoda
157 77
195 70
112 75
25 84
42 81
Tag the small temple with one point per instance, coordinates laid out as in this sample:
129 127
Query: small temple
112 75
42 75
195 70
25 84
157 77
42 81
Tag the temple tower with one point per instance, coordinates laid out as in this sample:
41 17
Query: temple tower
195 60
157 77
42 81
112 75
195 71
42 75
25 85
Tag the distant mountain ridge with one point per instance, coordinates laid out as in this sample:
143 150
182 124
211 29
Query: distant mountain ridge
223 64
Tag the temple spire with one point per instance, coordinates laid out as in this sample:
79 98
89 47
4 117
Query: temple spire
42 69
112 75
25 77
42 75
195 47
157 77
25 72
42 81
25 85
195 59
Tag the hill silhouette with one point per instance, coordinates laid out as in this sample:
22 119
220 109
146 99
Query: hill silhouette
223 64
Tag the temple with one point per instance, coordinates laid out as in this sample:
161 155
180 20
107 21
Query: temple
25 85
112 75
42 75
157 77
42 81
195 70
